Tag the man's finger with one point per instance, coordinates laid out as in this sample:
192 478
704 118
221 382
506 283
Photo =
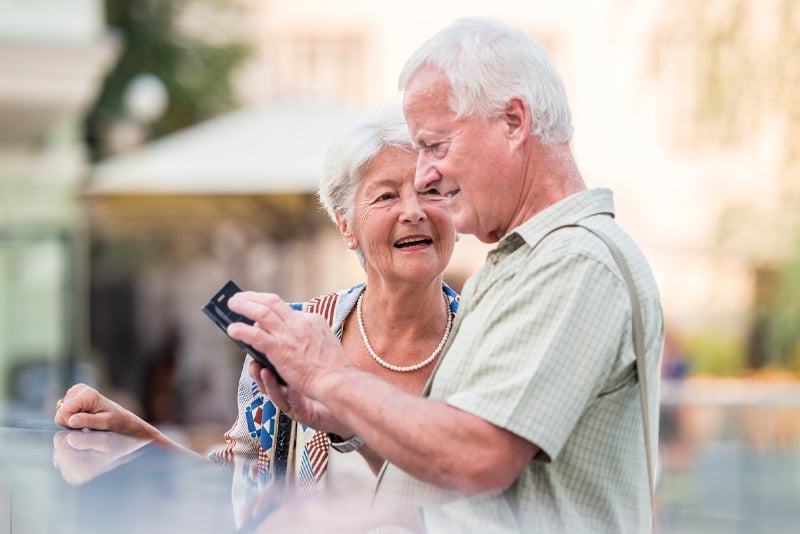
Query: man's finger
254 370
260 303
276 392
276 304
253 335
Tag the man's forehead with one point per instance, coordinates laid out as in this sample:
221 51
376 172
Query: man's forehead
427 86
427 109
426 75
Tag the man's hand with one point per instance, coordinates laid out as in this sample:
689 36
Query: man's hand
300 345
293 403
429 439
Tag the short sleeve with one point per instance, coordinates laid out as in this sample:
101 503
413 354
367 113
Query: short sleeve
533 354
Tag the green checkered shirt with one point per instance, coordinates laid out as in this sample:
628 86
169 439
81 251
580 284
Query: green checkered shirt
542 347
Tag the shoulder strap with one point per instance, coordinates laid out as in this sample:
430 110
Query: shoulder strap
638 346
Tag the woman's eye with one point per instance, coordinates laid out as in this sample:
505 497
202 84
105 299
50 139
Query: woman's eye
385 196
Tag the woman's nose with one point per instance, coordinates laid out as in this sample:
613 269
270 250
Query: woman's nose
411 208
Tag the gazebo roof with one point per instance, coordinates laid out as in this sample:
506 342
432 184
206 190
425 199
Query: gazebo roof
273 148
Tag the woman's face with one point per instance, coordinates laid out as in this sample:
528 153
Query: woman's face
403 234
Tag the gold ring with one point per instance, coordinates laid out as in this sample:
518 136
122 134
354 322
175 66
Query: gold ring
59 404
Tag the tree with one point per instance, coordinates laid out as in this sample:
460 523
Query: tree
742 59
195 72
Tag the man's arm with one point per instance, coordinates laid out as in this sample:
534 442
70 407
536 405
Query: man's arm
430 440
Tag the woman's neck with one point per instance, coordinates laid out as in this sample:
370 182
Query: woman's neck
404 326
403 309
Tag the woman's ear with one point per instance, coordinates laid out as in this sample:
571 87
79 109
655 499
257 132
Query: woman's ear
344 229
518 121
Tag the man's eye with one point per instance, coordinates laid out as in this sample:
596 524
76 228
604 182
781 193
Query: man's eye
437 149
385 196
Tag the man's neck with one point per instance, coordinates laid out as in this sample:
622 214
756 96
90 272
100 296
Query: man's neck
549 175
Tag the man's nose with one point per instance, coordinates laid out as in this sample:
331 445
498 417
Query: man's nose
426 176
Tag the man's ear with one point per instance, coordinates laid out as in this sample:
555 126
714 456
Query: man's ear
349 239
517 118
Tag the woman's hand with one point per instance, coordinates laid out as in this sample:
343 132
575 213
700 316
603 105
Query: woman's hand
84 407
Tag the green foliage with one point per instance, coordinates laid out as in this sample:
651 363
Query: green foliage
196 73
715 353
744 78
783 321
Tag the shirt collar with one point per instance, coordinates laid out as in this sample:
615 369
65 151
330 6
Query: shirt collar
566 211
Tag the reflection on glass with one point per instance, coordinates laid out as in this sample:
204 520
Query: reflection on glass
81 455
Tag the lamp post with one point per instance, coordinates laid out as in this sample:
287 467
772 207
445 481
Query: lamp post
146 99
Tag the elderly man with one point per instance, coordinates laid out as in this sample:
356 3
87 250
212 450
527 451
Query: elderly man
532 420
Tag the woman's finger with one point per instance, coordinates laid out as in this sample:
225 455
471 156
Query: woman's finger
98 421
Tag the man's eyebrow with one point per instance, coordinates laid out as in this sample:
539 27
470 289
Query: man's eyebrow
424 137
418 144
420 140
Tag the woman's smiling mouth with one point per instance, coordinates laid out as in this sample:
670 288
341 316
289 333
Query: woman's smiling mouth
413 241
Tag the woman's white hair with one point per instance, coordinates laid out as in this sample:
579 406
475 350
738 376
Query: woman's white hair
353 149
487 63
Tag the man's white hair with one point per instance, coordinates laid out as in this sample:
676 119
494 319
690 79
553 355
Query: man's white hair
487 63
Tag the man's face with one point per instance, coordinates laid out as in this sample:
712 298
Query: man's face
467 159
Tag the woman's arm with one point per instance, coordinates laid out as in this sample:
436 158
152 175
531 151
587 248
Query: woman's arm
85 407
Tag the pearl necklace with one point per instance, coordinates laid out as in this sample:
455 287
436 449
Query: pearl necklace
398 368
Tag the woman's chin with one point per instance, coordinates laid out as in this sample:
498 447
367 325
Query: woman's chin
418 274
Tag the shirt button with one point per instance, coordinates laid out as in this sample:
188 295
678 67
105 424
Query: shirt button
494 258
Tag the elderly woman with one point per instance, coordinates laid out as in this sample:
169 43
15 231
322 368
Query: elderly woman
394 325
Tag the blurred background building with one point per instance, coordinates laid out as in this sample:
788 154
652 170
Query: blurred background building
52 64
150 151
